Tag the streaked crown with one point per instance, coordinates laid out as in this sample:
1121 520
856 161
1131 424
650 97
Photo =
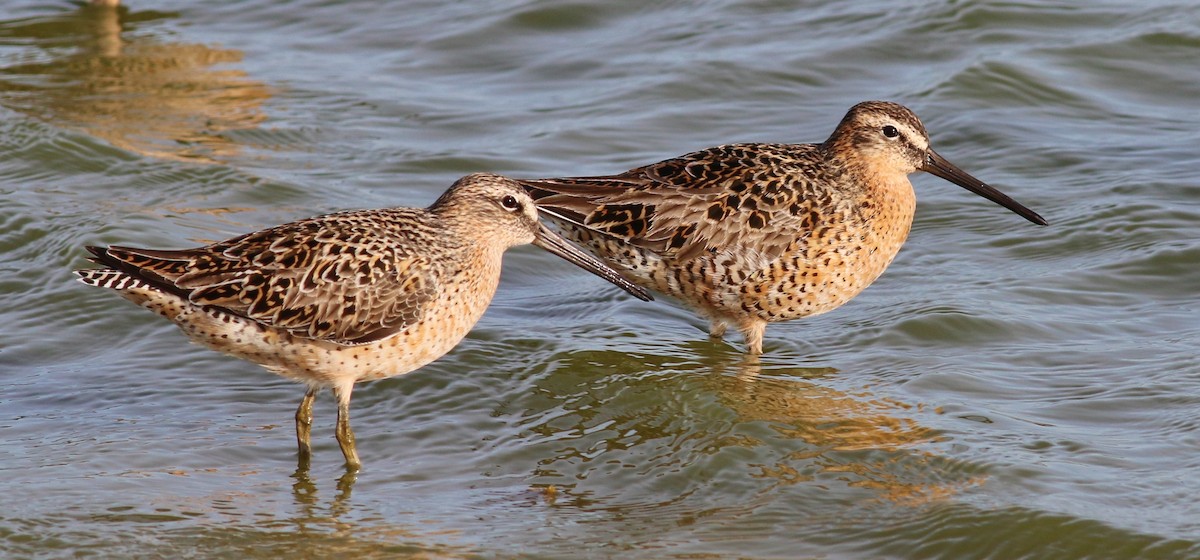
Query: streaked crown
881 133
492 204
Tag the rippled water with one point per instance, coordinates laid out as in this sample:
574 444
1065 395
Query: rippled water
1003 391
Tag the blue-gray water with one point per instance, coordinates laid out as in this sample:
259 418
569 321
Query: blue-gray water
1003 391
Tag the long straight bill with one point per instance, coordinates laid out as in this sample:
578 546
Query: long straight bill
937 165
555 243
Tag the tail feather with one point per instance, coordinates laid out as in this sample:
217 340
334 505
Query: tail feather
135 267
111 279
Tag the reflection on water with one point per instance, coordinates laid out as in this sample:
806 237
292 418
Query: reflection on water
835 424
305 489
243 521
96 69
670 431
575 423
224 525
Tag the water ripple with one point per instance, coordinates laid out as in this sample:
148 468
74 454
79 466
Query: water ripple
1002 391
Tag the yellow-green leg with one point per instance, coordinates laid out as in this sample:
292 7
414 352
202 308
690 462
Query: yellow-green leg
753 331
716 329
304 420
345 435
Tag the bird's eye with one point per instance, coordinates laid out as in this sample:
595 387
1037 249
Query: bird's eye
890 131
510 202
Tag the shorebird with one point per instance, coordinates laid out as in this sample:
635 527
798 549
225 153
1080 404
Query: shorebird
342 298
750 234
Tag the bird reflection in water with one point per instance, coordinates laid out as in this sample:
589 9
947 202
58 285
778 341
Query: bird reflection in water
863 440
104 70
304 490
337 528
679 429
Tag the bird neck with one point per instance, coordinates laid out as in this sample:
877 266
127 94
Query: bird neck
877 193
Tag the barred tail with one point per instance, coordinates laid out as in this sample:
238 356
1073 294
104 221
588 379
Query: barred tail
111 279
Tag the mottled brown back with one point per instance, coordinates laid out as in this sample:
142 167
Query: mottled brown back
350 277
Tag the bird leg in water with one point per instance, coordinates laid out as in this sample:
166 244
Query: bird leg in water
304 418
345 435
753 331
716 329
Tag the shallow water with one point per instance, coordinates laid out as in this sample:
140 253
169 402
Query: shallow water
1003 391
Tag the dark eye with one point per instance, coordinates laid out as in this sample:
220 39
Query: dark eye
890 131
510 202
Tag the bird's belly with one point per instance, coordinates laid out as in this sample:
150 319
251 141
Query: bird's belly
791 290
803 281
810 277
814 279
315 361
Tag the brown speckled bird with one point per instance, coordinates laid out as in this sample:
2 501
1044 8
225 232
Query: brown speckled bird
342 298
750 234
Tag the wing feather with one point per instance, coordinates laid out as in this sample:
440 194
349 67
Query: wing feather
736 195
347 278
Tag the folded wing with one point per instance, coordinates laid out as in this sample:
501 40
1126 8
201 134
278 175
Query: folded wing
334 278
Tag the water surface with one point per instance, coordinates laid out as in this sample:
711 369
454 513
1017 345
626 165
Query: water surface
1003 391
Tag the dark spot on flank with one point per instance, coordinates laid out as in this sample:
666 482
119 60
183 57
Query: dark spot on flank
681 235
716 212
620 230
756 220
668 169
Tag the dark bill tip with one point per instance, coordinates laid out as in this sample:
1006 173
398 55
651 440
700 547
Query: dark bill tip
938 166
555 243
